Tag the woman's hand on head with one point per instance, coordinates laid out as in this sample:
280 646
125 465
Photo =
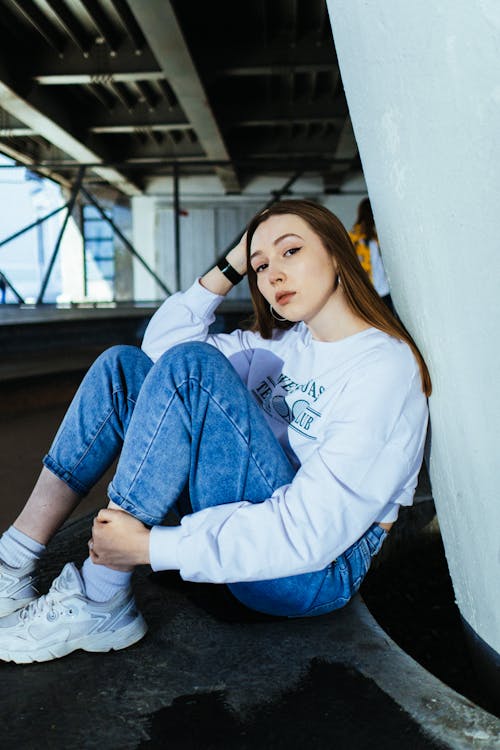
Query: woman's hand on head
237 256
118 540
215 281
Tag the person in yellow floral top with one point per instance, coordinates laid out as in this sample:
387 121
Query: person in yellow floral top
365 241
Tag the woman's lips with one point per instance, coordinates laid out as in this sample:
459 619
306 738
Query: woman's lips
284 299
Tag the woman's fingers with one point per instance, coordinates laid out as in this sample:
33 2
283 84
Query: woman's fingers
105 515
92 554
118 539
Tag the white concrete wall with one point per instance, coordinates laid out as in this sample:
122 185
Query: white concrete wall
423 90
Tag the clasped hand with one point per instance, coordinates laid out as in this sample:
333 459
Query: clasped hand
118 540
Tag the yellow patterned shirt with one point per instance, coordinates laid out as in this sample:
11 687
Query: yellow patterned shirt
362 247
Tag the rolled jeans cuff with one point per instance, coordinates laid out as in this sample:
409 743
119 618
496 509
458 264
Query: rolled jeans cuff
66 476
134 510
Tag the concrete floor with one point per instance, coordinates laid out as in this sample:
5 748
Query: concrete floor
209 674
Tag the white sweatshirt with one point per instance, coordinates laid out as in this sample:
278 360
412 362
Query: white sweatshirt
379 277
352 417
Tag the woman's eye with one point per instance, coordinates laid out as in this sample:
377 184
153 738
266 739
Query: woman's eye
261 267
292 251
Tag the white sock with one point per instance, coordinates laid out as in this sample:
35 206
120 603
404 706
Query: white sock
17 549
102 583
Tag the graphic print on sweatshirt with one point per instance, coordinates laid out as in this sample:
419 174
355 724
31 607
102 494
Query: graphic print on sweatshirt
285 400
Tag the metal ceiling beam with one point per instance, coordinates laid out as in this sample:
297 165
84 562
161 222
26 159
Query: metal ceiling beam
324 109
292 156
125 128
73 62
39 21
275 70
196 161
271 69
23 158
130 25
283 122
63 139
277 59
173 144
140 116
160 27
17 132
71 25
84 78
102 23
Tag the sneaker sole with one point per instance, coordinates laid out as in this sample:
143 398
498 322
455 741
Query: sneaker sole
8 606
97 643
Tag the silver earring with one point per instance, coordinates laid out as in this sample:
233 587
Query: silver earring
276 317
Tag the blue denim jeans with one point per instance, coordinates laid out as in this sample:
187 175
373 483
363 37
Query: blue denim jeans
188 424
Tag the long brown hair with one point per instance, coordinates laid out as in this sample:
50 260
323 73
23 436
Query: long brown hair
357 288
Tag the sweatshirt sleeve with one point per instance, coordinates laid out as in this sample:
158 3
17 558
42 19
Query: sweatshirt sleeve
184 316
370 456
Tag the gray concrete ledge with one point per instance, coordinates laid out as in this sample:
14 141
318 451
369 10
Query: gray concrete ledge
211 675
46 340
15 315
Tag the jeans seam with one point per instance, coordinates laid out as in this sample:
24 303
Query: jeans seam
146 453
222 409
329 604
101 427
118 389
94 438
311 606
238 430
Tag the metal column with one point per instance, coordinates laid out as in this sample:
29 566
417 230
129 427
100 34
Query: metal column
74 194
177 237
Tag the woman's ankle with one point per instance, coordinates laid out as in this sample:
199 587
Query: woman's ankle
18 550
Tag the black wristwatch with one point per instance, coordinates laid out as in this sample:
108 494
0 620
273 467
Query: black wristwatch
229 272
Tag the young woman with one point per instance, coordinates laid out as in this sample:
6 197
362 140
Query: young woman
296 442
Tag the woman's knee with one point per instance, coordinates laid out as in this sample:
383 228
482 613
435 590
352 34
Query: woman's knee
122 357
193 358
119 365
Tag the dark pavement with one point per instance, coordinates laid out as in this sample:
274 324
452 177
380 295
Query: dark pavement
210 674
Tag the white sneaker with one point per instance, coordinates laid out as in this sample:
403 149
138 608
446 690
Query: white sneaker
64 620
16 587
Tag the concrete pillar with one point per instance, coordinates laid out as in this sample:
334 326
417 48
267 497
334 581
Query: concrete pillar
422 85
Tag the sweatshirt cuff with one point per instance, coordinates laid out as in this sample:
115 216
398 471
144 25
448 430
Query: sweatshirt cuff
163 547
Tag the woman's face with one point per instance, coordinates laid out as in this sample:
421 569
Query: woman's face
295 273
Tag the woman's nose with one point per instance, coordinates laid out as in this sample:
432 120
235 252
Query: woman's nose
276 274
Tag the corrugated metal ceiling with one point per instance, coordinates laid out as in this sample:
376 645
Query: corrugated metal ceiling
133 85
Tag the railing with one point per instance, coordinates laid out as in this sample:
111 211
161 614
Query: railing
77 190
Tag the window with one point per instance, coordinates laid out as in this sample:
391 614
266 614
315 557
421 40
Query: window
98 252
